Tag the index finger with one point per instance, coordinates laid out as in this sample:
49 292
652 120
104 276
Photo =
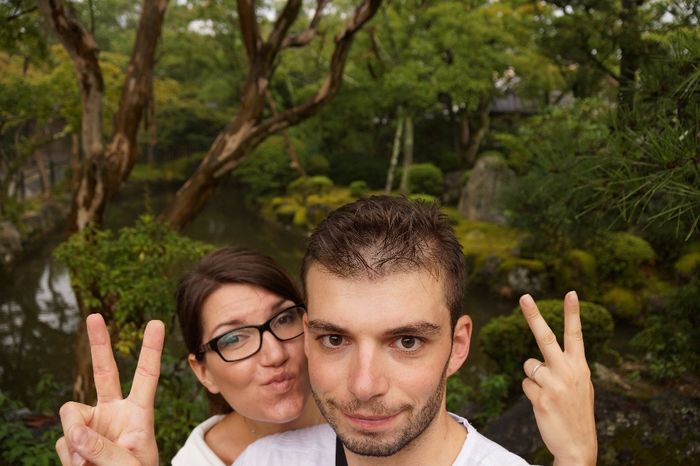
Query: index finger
104 368
573 333
544 336
143 389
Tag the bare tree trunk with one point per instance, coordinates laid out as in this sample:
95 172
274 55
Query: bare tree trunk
248 128
40 159
407 154
74 162
395 150
474 139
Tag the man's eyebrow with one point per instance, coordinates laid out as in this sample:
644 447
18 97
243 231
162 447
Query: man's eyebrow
323 326
423 329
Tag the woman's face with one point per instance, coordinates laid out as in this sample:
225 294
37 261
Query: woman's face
270 386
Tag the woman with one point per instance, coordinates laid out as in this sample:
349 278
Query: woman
257 378
240 314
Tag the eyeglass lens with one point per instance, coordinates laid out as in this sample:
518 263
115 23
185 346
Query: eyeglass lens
243 342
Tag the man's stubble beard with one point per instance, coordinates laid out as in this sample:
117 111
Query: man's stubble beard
370 444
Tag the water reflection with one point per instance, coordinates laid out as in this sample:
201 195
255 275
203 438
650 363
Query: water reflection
38 315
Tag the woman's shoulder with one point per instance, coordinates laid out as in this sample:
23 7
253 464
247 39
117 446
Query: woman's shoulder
195 450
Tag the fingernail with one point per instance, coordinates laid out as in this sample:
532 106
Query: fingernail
526 300
78 436
77 460
572 294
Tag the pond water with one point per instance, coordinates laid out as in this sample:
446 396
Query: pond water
38 313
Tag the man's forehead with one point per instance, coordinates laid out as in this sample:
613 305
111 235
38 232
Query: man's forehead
401 299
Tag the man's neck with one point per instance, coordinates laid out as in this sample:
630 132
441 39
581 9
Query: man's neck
439 444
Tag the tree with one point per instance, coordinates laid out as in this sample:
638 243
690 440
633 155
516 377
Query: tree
251 125
106 165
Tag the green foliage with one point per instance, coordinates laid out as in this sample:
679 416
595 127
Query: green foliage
551 152
508 341
484 402
303 187
620 257
425 178
316 164
267 170
177 170
422 197
358 188
577 271
685 265
671 337
623 303
128 277
181 404
21 445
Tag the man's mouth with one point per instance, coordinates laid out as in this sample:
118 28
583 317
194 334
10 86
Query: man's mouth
370 421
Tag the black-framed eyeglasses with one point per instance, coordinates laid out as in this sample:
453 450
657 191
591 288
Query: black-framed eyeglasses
243 342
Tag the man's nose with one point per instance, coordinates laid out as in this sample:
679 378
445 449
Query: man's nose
273 352
367 377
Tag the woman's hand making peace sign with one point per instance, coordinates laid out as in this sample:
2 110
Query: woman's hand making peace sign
560 387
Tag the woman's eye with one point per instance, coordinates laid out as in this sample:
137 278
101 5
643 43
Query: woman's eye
332 341
408 343
232 339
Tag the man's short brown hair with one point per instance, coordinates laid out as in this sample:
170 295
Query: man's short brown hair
380 235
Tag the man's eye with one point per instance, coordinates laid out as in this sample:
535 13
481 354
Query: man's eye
408 344
332 341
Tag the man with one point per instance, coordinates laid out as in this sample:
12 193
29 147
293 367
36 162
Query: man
384 280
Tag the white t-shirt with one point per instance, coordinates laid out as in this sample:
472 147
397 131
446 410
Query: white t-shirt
316 446
195 451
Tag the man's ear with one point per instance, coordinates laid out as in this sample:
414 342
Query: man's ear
200 370
461 339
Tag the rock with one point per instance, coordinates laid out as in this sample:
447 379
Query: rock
524 280
480 195
453 187
10 243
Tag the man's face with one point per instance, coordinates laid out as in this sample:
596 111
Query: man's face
379 353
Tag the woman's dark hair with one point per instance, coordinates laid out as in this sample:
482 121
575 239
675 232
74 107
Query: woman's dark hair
222 267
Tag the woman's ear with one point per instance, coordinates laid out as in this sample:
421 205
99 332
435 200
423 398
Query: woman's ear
461 339
200 370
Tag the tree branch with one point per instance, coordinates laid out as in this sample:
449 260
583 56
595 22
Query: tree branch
137 88
82 48
303 38
20 13
249 28
284 22
331 85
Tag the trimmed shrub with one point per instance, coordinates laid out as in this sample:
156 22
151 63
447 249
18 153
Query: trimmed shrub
303 187
422 197
358 188
425 178
316 164
622 303
508 341
577 271
685 265
621 255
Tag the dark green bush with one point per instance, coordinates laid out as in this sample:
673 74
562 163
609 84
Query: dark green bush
425 178
316 164
358 188
671 339
508 341
620 257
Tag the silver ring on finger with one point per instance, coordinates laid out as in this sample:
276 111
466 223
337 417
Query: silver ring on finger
535 369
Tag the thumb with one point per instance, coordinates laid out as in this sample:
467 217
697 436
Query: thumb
98 450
